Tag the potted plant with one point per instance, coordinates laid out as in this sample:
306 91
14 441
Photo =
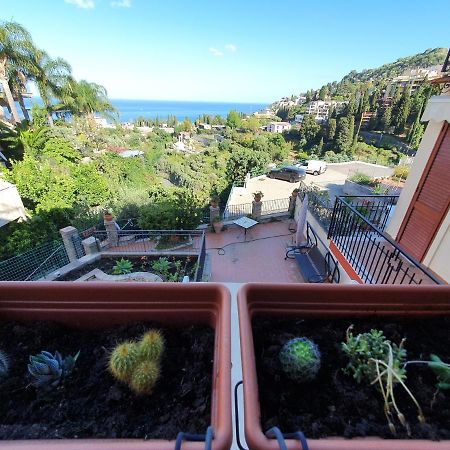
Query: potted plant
107 216
99 310
217 224
322 314
214 202
257 196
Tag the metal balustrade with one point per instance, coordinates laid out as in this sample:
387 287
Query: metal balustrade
357 229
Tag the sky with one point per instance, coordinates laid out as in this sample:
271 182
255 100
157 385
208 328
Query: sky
233 50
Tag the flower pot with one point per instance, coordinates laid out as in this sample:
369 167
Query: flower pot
218 226
107 217
329 302
97 306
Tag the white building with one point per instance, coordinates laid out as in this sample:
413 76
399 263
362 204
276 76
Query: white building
413 78
278 127
11 206
320 109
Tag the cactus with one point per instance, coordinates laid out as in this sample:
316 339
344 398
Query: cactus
138 363
4 364
123 360
47 370
151 345
144 377
300 359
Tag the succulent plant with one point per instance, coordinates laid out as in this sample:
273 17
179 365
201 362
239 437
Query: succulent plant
441 370
144 377
4 364
47 370
122 267
138 363
300 359
151 345
123 359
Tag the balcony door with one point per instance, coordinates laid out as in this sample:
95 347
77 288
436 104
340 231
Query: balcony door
430 202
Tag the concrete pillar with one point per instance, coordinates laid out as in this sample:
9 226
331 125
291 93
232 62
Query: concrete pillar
256 210
214 211
67 234
90 245
112 232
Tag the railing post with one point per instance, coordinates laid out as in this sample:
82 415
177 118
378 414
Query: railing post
67 233
112 232
333 219
90 245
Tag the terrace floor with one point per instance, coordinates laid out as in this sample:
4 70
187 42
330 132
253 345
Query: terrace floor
259 258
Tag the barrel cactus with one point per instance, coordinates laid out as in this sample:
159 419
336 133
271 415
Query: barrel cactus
300 359
47 370
4 364
138 363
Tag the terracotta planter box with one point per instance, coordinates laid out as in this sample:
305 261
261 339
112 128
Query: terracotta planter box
97 305
322 301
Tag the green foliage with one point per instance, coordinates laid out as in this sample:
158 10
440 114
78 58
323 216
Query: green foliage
4 364
243 161
234 120
122 267
361 178
362 351
401 172
442 372
344 135
138 363
161 265
47 370
300 359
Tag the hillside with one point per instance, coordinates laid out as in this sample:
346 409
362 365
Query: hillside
428 58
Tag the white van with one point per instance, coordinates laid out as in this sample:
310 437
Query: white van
313 166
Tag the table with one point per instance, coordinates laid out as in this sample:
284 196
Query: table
245 223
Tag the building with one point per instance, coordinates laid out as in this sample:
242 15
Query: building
11 206
320 109
278 127
421 220
412 78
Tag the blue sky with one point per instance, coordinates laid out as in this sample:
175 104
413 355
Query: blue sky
233 50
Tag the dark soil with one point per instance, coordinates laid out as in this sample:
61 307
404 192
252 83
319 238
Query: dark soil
334 404
91 403
140 264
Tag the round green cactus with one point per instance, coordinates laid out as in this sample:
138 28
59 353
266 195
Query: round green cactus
144 377
151 346
300 359
123 360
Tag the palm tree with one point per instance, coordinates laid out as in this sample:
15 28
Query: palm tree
89 98
16 46
52 76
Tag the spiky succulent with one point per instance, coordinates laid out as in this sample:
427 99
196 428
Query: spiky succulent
4 364
123 359
138 363
144 377
47 370
300 359
151 345
122 267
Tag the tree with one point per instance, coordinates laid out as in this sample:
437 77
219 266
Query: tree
234 120
244 160
323 93
344 135
52 78
16 47
402 112
309 130
386 119
251 124
331 129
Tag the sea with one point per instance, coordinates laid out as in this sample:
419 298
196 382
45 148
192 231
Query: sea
130 110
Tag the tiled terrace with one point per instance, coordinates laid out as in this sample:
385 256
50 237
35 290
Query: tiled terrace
259 258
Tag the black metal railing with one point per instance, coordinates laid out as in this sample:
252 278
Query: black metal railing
375 257
201 260
161 242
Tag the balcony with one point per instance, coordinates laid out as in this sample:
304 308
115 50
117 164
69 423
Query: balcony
371 256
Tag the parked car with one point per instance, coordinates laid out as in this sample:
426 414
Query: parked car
290 173
313 166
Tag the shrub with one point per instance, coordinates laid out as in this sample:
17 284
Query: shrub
300 359
361 178
401 172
